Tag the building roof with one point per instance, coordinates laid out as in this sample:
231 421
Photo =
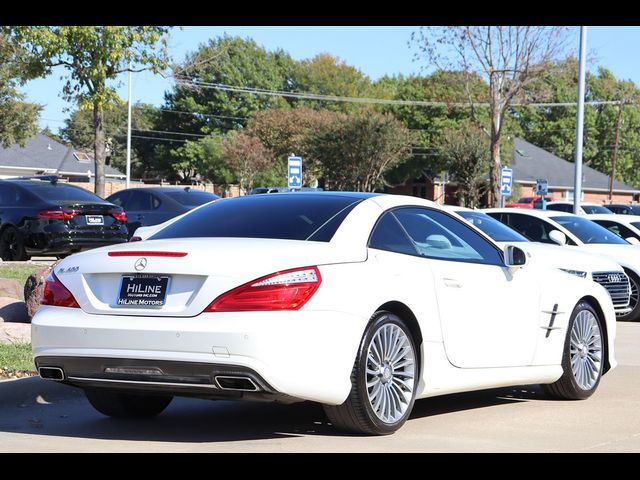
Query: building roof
44 153
530 163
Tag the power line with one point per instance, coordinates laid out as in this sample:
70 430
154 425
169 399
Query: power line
187 81
226 117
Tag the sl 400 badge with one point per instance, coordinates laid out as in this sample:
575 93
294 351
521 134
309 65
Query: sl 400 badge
68 270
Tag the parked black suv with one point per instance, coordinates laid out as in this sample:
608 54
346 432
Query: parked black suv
40 216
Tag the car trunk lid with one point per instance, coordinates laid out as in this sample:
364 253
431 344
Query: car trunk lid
192 271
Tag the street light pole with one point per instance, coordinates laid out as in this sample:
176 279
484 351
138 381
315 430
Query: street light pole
129 130
577 181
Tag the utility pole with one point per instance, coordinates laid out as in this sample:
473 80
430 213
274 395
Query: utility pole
614 157
129 131
577 180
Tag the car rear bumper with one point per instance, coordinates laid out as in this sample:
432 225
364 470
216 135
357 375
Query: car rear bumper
63 240
303 355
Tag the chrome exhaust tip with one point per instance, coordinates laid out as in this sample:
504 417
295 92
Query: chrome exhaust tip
51 373
243 384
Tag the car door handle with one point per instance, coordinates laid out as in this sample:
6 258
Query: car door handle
452 282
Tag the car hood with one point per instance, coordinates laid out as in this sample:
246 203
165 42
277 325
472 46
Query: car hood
567 258
625 255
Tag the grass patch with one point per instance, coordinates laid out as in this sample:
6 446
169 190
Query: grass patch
15 360
19 272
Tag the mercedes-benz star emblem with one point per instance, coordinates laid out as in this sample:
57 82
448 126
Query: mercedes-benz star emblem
140 264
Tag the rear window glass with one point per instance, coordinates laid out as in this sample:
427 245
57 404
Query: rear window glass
492 227
595 209
192 198
285 216
63 192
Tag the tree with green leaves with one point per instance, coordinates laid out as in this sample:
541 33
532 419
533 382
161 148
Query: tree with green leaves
286 132
554 128
247 157
325 74
93 56
18 119
230 61
465 155
508 57
201 161
356 151
79 131
429 122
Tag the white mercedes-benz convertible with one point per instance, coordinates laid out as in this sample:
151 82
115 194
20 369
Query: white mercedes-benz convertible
361 302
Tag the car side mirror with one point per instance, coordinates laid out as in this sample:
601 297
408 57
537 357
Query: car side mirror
633 240
556 236
515 257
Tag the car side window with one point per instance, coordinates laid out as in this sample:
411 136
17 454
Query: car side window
618 229
438 235
139 201
533 228
388 235
119 198
560 207
155 202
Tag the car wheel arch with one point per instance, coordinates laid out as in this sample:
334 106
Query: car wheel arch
404 312
605 340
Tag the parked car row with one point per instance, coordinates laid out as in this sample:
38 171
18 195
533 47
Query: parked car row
41 216
360 302
586 208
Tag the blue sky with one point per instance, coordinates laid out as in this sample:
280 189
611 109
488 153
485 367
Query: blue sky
376 51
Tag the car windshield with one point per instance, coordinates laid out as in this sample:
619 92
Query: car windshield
191 198
636 224
496 230
595 209
525 200
65 193
588 231
286 216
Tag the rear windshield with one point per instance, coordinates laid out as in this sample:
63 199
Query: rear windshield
588 231
63 192
525 200
595 209
285 216
192 198
496 230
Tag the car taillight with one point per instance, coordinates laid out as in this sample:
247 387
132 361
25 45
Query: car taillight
286 290
119 214
135 239
55 293
65 214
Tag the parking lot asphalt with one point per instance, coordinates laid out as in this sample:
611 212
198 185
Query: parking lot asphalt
39 416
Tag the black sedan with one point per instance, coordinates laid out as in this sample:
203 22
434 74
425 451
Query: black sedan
150 206
44 217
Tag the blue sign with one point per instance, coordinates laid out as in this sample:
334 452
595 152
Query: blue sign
295 172
506 181
542 186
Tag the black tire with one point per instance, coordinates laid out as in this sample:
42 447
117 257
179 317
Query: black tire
567 386
126 405
12 246
634 314
357 414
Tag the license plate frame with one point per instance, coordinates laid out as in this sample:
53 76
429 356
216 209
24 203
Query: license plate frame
94 220
141 291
